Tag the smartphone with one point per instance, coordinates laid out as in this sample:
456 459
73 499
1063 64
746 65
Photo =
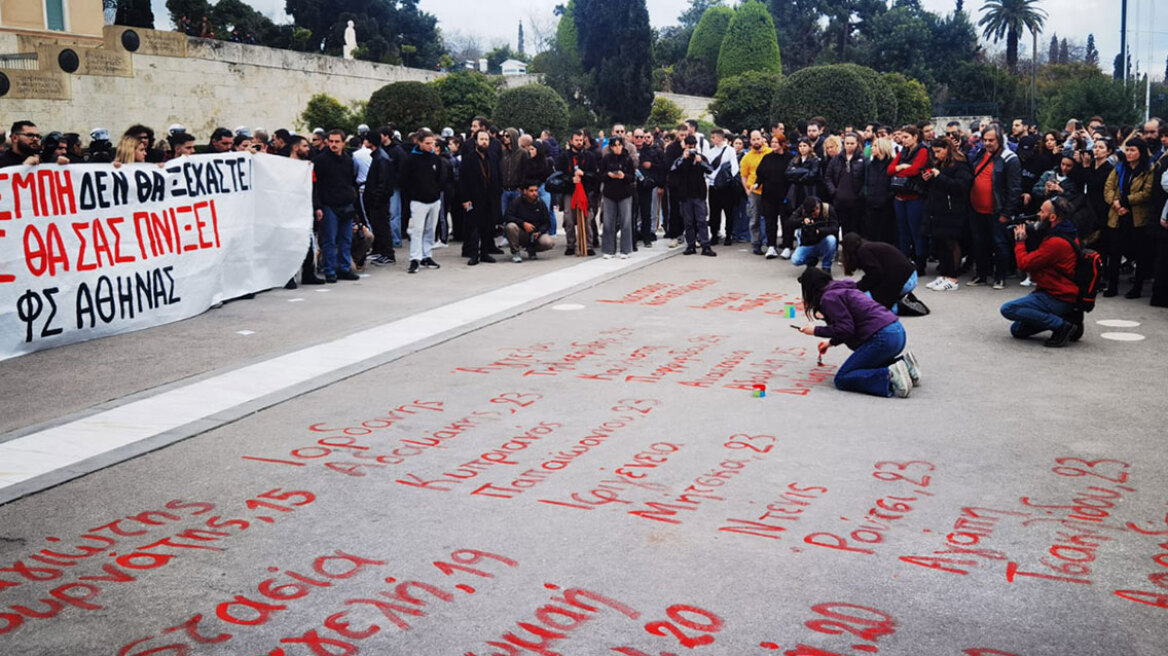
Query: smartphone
796 327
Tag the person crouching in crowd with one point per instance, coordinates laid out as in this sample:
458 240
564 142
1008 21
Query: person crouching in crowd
527 223
816 232
874 334
888 275
1051 266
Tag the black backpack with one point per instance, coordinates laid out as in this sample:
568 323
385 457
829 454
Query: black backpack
1088 275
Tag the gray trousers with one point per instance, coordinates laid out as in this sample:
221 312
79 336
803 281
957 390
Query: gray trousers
618 215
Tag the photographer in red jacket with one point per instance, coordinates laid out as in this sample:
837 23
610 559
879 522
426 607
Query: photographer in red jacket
1051 266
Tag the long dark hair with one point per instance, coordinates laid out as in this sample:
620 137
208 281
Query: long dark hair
813 280
849 251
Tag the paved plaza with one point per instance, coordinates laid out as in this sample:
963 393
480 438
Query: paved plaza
569 457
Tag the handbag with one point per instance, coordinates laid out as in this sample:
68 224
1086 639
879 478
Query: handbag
559 183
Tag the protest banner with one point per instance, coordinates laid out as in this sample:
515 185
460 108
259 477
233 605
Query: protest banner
93 250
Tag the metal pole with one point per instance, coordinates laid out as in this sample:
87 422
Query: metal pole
1123 42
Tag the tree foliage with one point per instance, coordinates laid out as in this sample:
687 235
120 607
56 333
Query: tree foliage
744 101
1009 18
882 94
135 13
1079 90
838 93
324 111
690 18
750 43
465 95
691 77
706 42
615 45
912 99
798 30
665 113
411 105
383 28
532 108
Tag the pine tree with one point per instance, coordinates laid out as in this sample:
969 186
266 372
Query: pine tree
750 43
1092 53
960 5
1064 52
1117 66
521 51
1053 57
1166 69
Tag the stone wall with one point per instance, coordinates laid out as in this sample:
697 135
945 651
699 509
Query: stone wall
695 107
209 84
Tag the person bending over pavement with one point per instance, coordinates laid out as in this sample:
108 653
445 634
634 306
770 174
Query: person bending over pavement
888 274
874 334
1051 266
526 224
816 233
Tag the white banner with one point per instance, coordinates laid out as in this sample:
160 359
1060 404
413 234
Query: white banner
91 250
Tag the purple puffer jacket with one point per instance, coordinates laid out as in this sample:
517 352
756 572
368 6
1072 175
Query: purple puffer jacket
852 317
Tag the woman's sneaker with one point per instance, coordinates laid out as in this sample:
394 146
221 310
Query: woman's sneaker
914 370
936 283
901 380
947 285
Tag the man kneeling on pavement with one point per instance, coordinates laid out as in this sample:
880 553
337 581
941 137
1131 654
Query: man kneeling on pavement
1051 265
526 224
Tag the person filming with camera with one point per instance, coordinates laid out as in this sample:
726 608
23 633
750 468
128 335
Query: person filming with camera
1051 265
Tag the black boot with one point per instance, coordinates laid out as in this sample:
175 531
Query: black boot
1136 290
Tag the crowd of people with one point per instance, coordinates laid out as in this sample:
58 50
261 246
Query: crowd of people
995 202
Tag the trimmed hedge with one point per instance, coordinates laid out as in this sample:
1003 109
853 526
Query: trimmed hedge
664 113
912 99
532 108
744 101
706 42
466 94
886 108
411 105
837 92
750 44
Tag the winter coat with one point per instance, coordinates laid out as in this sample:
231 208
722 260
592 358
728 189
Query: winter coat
852 316
1132 191
947 201
837 168
804 177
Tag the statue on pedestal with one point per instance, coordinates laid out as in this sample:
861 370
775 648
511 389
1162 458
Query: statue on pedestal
350 41
110 8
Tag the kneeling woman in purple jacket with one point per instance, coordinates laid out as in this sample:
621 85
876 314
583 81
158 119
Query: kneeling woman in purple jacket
874 334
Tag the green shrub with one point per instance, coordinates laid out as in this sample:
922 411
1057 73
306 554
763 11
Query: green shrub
465 95
706 42
324 111
750 43
838 93
744 101
411 105
912 99
886 108
665 113
532 108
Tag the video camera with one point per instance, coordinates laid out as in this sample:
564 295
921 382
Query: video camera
1020 219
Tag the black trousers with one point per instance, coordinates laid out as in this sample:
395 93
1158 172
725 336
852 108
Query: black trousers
851 217
770 218
674 226
1126 240
377 210
645 194
478 231
722 202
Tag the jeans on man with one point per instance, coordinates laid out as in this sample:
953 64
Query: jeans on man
1036 312
741 230
546 197
824 251
423 218
336 239
993 245
395 217
754 220
570 223
508 196
866 369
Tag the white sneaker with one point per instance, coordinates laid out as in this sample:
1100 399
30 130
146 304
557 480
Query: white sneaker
608 256
624 256
1027 282
771 253
914 369
439 244
786 254
936 284
674 244
516 258
947 285
901 380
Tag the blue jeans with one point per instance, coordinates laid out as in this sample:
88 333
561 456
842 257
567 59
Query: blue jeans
1035 313
824 250
866 370
395 218
546 197
336 239
741 221
910 219
508 196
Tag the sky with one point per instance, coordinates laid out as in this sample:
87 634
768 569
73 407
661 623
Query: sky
496 21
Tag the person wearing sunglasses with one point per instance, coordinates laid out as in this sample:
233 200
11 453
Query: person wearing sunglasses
26 146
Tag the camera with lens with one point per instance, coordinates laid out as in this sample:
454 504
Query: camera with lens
1020 219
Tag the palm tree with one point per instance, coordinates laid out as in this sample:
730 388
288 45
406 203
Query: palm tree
1009 18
